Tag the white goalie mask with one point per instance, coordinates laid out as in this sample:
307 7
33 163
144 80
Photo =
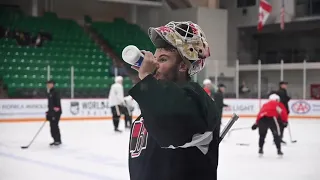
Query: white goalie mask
187 38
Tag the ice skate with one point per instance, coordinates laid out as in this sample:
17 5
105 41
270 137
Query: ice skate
280 153
283 142
260 152
128 126
55 144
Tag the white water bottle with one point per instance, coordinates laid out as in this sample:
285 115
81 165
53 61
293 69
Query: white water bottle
132 55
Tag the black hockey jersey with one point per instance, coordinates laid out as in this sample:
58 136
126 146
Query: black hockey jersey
54 100
176 137
284 98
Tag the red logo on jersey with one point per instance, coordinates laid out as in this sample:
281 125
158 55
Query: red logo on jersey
139 137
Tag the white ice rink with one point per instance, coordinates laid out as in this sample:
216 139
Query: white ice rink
92 151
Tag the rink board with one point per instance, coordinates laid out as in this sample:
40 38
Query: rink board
21 110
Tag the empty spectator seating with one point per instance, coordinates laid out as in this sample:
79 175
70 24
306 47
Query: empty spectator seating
119 34
25 68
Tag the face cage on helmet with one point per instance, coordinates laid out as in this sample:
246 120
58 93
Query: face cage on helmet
175 25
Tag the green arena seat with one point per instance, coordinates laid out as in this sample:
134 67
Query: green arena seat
27 67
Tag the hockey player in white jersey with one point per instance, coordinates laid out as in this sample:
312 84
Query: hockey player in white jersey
116 101
129 107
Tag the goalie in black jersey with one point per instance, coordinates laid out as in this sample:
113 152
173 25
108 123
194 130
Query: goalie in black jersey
176 136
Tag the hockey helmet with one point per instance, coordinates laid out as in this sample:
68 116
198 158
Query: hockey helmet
188 38
118 79
274 97
207 82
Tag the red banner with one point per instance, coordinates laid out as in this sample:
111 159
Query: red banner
315 91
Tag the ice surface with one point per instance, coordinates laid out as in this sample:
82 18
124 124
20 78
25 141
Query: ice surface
92 151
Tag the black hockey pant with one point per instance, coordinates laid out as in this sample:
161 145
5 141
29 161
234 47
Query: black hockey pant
282 129
116 113
54 127
269 123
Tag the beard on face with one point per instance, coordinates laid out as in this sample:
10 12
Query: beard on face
170 75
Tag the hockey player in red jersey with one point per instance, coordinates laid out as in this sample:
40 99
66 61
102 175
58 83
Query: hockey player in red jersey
272 115
207 84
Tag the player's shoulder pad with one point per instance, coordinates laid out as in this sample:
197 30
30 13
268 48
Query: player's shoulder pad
202 97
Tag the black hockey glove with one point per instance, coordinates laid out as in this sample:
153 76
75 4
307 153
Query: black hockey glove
254 126
285 124
47 116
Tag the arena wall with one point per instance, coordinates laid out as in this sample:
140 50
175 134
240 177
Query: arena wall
271 78
24 110
214 22
148 17
25 5
153 17
76 9
99 11
248 17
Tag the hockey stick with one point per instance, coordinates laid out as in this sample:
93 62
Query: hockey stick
240 128
34 137
290 135
243 144
226 129
236 129
233 119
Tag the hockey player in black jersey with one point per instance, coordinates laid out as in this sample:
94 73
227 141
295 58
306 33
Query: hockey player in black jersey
176 137
54 113
284 99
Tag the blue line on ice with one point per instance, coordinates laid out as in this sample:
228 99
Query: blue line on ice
57 167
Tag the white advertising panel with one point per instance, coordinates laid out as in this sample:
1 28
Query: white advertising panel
304 107
241 107
22 108
74 109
